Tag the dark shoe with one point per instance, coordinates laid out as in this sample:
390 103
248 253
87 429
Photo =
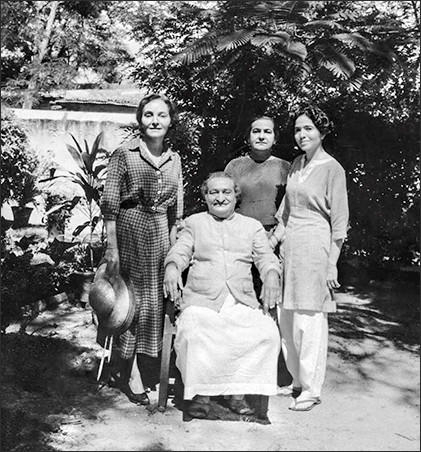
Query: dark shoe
240 406
139 399
198 409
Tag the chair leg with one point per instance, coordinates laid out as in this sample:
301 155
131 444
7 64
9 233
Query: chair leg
165 363
260 403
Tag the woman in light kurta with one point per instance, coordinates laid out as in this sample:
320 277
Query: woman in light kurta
313 219
225 343
141 204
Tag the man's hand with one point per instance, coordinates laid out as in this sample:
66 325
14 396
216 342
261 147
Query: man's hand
172 281
271 291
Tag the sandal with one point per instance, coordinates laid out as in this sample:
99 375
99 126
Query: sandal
304 405
240 406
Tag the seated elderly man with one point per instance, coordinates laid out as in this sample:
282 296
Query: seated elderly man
226 342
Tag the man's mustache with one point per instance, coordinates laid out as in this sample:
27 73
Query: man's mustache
220 203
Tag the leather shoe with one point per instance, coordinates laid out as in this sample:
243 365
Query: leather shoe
198 409
138 399
240 406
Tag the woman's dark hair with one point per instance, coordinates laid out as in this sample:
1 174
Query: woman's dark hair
150 97
255 118
316 114
204 186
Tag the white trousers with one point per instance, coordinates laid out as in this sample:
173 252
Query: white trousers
304 344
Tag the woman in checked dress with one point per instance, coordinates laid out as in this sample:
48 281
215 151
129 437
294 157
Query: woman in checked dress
141 205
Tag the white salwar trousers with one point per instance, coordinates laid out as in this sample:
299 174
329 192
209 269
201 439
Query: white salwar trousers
233 351
304 344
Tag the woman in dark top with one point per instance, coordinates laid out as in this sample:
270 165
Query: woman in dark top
262 178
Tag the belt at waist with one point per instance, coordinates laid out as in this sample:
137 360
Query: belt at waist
150 209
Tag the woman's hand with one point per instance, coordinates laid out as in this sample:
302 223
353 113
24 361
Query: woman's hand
113 263
332 277
271 291
172 281
273 241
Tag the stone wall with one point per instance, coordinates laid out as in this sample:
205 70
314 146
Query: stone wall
48 134
49 129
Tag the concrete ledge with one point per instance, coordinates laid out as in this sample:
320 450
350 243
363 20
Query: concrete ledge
79 116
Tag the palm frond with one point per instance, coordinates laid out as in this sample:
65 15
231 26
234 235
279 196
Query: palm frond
323 25
354 40
261 39
297 49
202 47
282 12
234 40
357 40
355 83
341 67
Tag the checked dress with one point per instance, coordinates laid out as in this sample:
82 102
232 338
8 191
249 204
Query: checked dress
146 200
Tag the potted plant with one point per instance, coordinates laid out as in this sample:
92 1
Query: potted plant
89 177
20 166
24 197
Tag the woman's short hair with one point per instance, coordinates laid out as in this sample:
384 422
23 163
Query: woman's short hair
256 118
204 187
316 114
149 98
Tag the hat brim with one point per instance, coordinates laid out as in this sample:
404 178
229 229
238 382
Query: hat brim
117 320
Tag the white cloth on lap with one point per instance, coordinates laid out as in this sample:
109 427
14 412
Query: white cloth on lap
233 351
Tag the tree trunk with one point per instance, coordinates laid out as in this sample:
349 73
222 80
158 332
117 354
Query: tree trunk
42 50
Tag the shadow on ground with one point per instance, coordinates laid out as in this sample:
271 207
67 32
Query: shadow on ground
47 381
379 311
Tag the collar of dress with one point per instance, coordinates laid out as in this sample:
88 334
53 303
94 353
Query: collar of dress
139 144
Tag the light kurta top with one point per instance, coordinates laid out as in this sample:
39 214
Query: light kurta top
221 253
314 212
262 186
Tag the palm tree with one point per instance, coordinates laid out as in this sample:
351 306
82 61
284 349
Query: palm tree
298 40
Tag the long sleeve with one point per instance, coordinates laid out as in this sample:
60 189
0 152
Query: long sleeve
181 252
110 201
263 256
338 199
175 212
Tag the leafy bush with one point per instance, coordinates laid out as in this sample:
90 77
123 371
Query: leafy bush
58 211
32 270
19 160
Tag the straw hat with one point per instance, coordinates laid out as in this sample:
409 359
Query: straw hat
114 303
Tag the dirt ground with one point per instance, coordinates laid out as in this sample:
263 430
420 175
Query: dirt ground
370 401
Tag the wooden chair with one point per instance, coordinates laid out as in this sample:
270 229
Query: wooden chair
173 385
167 346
